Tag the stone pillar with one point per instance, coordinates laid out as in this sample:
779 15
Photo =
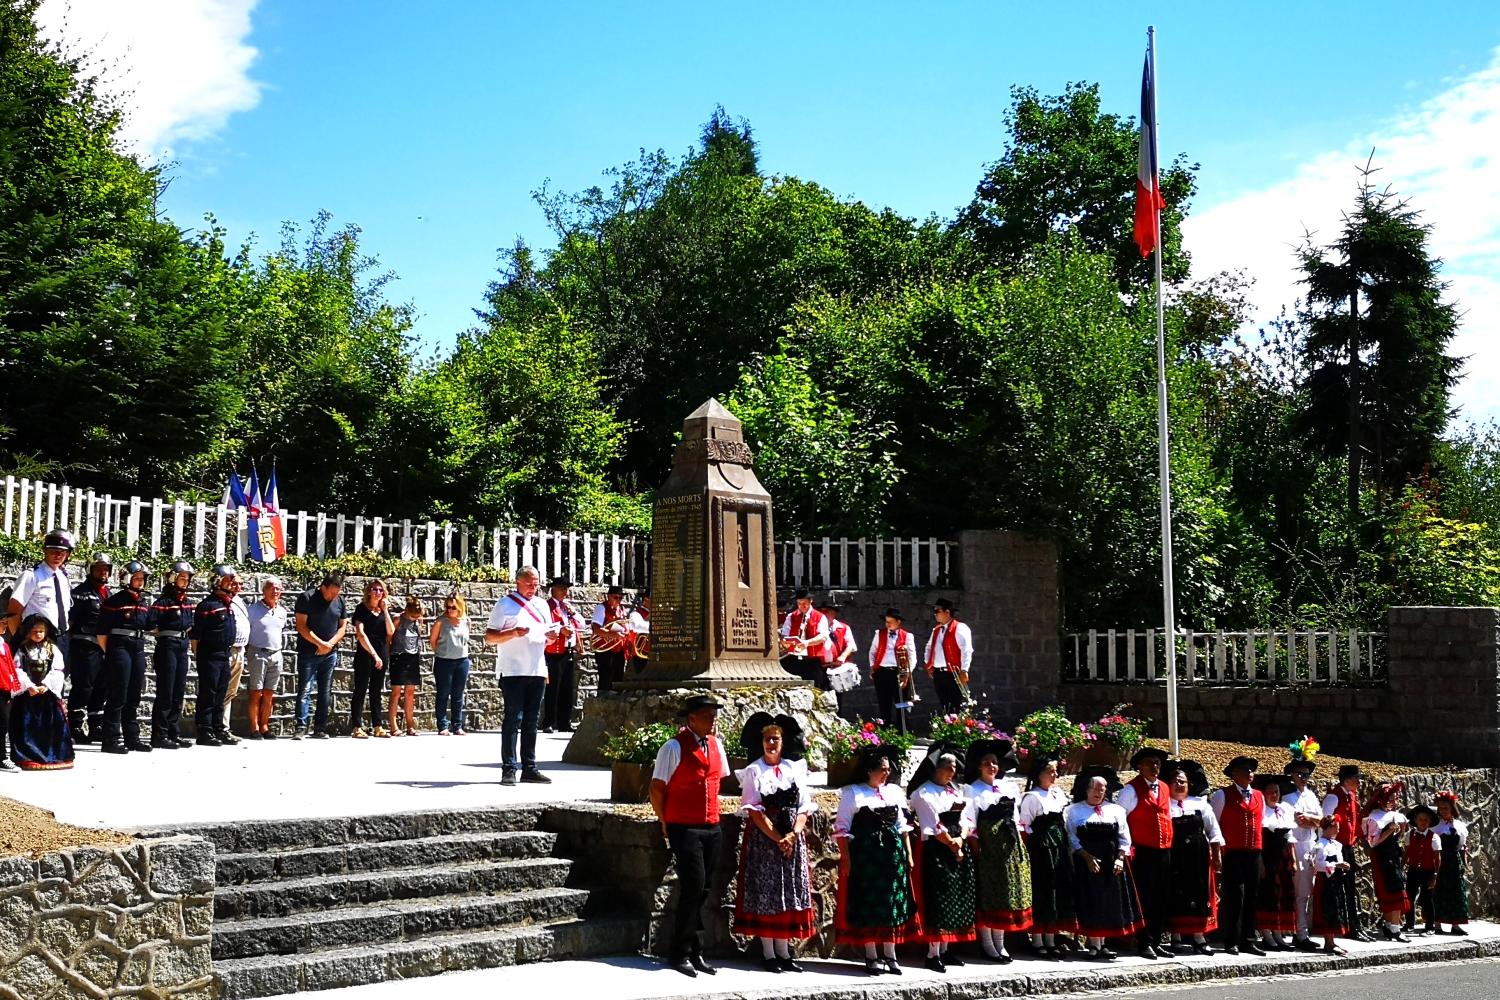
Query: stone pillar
1444 670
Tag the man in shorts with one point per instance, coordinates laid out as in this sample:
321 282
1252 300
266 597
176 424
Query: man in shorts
266 635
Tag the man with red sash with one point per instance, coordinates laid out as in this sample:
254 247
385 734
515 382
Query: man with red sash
840 648
950 650
1342 803
884 668
685 798
1147 802
1240 809
610 630
803 636
564 651
521 626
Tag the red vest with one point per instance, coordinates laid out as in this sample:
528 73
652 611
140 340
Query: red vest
880 644
561 613
953 657
1241 820
693 792
1346 818
838 641
1419 852
797 622
1150 822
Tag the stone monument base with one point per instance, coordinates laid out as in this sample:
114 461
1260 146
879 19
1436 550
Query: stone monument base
817 711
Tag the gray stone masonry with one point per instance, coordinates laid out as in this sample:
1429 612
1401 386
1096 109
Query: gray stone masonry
104 922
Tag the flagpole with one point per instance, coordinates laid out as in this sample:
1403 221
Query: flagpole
1169 604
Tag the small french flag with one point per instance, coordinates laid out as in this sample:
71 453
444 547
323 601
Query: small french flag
1148 199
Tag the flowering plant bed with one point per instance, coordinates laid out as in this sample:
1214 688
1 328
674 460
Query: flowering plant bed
1050 731
637 745
964 728
1124 733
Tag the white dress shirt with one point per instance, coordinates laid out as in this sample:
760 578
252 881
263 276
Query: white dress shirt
861 796
806 632
1326 855
37 594
1195 805
889 659
838 632
638 623
241 623
982 795
524 655
931 800
52 680
1305 803
1216 800
1127 799
1081 813
760 779
937 658
670 755
1039 801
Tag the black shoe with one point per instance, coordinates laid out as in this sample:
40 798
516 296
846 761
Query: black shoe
951 959
1004 959
253 734
1458 931
1306 944
1148 951
549 731
508 777
685 967
873 967
137 745
772 964
181 743
565 729
109 747
320 735
532 776
1203 947
893 967
1255 949
1106 955
935 963
227 738
700 964
163 743
268 735
1233 949
208 741
790 965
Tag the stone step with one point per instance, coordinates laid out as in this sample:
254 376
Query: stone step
270 975
251 836
278 898
366 856
397 920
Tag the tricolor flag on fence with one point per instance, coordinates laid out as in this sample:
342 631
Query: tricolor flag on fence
272 505
234 493
1148 199
262 531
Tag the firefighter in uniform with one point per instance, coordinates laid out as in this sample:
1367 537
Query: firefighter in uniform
85 657
172 614
124 617
212 636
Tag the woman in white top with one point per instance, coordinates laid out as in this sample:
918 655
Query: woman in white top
1104 889
1451 899
1276 898
1331 914
1384 828
875 904
1002 872
944 874
1050 857
774 892
1197 843
38 722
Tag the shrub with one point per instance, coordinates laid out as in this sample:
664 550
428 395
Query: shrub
638 745
964 728
1049 730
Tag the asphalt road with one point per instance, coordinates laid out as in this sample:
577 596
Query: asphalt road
1476 980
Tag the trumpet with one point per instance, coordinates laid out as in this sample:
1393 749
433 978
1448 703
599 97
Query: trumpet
962 677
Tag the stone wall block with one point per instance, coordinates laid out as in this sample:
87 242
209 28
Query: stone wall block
99 962
177 964
184 867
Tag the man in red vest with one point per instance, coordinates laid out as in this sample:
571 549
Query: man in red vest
564 653
1147 802
803 635
890 647
1342 803
1240 810
685 798
950 649
840 648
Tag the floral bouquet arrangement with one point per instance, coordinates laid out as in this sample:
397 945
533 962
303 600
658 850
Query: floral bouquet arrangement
964 728
1050 731
846 742
1123 732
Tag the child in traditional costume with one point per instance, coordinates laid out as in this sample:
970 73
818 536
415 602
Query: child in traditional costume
1450 900
1342 803
773 898
1192 894
1050 857
1276 900
875 904
1424 852
38 719
1332 915
1104 889
944 874
1384 828
1002 868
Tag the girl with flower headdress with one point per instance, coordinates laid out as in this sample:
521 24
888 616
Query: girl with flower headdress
38 721
1451 899
1383 829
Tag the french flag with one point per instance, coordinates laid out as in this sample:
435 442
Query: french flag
1148 199
272 505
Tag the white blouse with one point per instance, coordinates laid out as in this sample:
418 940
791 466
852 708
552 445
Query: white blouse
1378 820
1281 816
761 779
1326 854
1080 813
982 795
861 796
931 800
52 680
1457 826
1198 806
1039 802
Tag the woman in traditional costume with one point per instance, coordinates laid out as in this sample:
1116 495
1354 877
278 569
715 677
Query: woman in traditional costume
1050 858
38 720
1332 916
1192 892
1384 828
1451 899
1104 889
875 905
1276 897
1002 868
773 898
944 872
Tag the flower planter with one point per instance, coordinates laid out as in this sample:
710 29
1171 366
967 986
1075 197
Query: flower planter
630 782
1102 752
730 783
1071 762
843 772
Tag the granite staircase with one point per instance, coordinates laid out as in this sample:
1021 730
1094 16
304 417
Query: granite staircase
317 904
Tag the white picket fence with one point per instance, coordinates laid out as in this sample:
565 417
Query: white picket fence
1260 657
174 529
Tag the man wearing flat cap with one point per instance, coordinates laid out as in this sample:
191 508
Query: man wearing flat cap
685 798
1240 809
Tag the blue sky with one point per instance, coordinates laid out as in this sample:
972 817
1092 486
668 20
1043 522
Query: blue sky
430 125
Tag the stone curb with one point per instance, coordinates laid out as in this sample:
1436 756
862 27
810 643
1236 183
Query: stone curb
1107 977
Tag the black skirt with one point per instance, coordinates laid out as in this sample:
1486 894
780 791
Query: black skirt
1108 904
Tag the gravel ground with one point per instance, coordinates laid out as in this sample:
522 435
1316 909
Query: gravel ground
28 830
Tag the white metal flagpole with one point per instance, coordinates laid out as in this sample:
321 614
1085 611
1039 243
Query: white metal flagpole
1169 604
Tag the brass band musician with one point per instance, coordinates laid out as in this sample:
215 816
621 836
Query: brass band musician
638 647
609 633
950 650
803 635
893 654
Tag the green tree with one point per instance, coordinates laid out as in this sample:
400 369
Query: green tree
1070 166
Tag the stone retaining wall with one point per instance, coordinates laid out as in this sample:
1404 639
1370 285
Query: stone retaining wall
109 922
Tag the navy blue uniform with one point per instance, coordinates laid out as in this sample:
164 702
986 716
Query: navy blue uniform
213 631
85 660
172 614
124 618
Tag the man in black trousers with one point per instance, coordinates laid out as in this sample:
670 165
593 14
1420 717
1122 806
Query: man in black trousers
1240 809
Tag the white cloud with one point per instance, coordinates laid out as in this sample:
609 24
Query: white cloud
1444 156
182 66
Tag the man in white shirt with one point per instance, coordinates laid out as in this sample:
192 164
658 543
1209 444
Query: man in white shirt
520 625
950 650
610 623
639 625
888 647
803 635
44 589
1308 807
